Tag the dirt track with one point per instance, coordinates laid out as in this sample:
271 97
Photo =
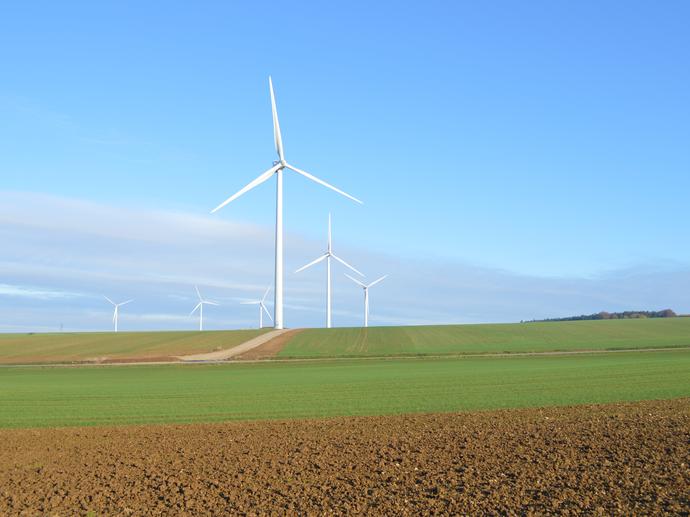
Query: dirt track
269 349
615 459
224 355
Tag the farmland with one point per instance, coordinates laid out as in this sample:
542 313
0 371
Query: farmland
618 459
354 342
68 347
499 338
69 396
389 420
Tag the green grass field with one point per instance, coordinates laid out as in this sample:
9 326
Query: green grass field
515 337
356 342
65 396
68 347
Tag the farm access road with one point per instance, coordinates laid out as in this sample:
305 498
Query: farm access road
224 355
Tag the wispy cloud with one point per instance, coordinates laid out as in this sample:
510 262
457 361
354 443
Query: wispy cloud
35 293
60 256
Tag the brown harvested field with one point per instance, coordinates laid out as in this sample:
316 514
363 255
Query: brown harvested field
270 349
615 459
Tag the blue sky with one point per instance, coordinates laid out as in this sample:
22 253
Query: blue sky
541 140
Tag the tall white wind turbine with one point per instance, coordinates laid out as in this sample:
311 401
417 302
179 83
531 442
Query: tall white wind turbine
327 257
262 308
278 167
366 295
116 313
200 308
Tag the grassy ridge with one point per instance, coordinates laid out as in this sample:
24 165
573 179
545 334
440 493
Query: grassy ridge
354 342
67 347
518 337
37 397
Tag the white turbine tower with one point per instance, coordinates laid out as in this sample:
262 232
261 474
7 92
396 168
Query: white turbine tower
262 308
200 308
366 295
278 167
327 257
116 313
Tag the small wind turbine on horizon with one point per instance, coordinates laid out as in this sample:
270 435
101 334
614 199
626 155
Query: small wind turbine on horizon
278 167
366 294
200 308
327 257
262 308
116 313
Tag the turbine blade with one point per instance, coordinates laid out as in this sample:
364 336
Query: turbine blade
267 313
109 300
195 308
320 259
355 281
321 182
277 137
197 292
265 295
258 181
378 281
124 303
346 264
211 303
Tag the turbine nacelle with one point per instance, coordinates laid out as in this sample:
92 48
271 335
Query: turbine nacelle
116 311
262 308
279 166
200 307
327 257
366 288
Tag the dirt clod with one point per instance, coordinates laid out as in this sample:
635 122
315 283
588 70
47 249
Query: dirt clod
624 459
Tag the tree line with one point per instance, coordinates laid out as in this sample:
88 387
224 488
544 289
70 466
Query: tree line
627 315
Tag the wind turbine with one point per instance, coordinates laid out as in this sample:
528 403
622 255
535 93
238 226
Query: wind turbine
366 295
262 308
327 257
117 306
278 167
200 306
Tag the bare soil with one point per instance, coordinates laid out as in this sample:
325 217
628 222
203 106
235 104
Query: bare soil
270 349
236 351
624 459
124 360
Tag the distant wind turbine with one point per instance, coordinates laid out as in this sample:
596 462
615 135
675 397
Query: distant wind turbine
278 167
116 313
262 308
366 295
327 257
200 308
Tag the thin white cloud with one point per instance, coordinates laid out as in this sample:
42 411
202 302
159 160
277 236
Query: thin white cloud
35 293
60 256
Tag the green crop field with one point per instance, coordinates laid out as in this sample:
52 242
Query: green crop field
356 342
68 347
515 337
75 396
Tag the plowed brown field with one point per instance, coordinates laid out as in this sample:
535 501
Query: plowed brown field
615 459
